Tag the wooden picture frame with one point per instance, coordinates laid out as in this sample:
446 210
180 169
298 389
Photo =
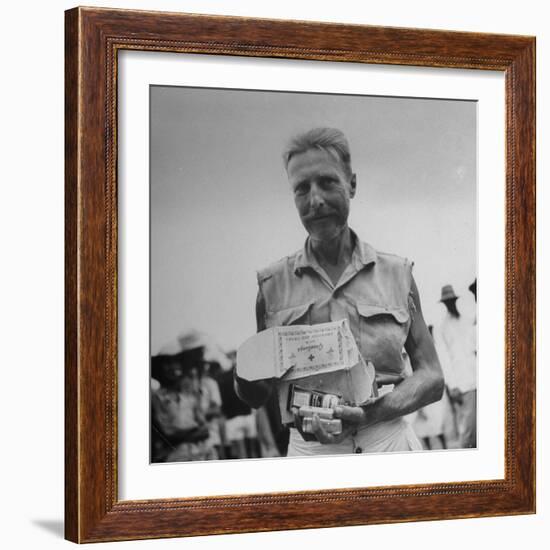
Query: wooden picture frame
93 511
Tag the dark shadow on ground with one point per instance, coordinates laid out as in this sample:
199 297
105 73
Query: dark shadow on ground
54 526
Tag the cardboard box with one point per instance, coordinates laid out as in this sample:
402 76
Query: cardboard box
321 357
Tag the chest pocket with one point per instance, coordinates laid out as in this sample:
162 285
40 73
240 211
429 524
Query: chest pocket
297 315
383 331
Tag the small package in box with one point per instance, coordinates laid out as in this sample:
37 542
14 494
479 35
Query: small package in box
317 366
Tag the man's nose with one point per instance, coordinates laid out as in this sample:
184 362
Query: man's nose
316 198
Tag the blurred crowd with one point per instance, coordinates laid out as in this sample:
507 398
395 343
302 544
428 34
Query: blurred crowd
452 421
196 414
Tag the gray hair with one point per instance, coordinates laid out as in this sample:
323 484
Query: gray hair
331 140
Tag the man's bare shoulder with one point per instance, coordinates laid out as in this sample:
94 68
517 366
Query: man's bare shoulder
280 266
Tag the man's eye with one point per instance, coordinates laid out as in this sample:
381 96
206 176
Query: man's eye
327 183
301 189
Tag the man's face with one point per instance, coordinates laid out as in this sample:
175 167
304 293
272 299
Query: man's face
180 378
450 304
322 192
189 382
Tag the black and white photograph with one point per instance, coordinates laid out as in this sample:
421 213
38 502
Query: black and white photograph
246 240
351 219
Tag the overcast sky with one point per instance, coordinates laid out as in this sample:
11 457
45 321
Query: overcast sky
221 207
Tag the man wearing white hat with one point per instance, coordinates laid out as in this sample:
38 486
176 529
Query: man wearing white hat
458 343
199 406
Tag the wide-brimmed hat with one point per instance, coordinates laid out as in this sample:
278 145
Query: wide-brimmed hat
168 369
447 293
195 341
186 341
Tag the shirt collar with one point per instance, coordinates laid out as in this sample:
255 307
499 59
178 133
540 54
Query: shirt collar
363 255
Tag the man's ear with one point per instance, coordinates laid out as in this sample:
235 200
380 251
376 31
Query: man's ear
353 186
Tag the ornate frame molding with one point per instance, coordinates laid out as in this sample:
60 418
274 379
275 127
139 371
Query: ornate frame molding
93 38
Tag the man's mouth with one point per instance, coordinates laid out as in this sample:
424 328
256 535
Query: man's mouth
320 217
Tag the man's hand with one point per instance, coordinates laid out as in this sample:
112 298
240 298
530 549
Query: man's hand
352 418
321 435
298 425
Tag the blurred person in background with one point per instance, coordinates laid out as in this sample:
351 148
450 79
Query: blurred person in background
266 437
428 423
212 360
211 405
458 349
179 428
473 289
196 352
241 432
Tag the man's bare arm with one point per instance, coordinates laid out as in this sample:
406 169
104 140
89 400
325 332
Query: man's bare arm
425 386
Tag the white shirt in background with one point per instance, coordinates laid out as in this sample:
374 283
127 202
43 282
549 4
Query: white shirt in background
456 345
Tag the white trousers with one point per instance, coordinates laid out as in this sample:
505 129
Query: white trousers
394 436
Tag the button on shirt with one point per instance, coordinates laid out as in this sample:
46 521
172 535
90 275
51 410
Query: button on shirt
334 304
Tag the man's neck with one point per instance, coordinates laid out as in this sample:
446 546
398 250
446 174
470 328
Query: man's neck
337 251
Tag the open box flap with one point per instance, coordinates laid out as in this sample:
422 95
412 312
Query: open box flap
297 351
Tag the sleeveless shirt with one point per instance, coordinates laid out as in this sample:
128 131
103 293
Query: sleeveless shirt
373 293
